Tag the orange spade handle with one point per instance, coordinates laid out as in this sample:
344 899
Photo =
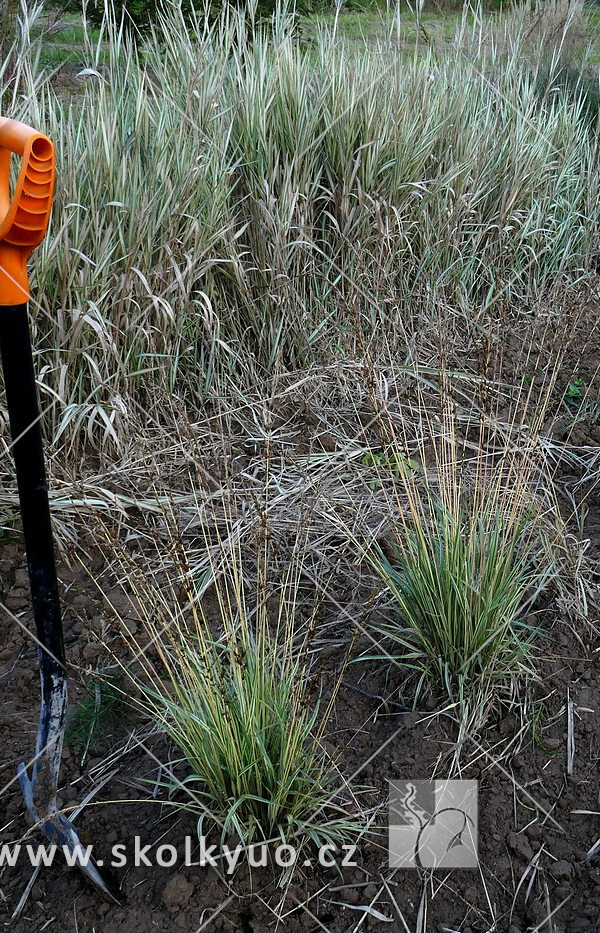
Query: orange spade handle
24 215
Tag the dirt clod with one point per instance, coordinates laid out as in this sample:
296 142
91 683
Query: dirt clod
520 845
561 870
177 892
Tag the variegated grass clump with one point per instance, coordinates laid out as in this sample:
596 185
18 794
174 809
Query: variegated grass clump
473 542
459 582
225 201
230 680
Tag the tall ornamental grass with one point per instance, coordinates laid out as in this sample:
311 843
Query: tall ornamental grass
228 202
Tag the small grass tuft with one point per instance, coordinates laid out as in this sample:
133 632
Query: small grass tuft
101 714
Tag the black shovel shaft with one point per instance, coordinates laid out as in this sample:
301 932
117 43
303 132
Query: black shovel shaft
24 414
21 398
